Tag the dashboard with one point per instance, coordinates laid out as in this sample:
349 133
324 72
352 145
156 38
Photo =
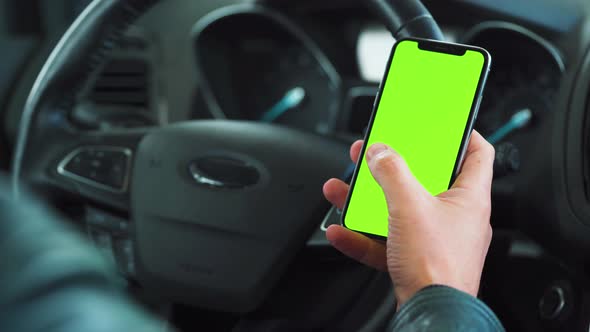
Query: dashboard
315 67
259 64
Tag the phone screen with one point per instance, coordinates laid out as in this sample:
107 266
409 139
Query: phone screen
425 111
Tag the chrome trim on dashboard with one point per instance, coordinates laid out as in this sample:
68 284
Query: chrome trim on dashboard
502 25
324 224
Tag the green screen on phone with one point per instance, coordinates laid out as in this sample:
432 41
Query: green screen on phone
423 113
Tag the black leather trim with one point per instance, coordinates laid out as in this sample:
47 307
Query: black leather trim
406 18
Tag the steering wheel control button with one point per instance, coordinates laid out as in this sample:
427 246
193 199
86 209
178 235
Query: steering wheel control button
104 243
223 172
125 256
552 303
101 220
106 168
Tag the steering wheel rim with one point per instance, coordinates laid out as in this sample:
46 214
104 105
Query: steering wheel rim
82 49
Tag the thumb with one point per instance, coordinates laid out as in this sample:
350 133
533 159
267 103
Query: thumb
390 170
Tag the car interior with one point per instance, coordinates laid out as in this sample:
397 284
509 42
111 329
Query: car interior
189 141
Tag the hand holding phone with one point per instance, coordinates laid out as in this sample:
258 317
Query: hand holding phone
425 111
440 239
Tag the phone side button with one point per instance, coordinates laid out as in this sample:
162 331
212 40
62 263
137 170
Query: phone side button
477 106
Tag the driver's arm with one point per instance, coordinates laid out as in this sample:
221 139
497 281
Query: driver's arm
441 308
432 240
52 281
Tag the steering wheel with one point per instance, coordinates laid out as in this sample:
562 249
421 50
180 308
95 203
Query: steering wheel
220 207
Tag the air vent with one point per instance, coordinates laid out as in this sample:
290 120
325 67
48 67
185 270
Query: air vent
122 82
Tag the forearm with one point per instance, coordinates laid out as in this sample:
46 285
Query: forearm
51 280
439 308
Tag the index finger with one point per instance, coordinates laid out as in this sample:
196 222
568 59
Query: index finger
478 168
355 151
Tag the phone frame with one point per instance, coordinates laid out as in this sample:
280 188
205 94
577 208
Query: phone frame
432 46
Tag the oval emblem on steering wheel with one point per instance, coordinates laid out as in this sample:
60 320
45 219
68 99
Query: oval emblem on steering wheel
223 172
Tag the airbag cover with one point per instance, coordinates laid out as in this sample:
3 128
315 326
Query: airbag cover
224 247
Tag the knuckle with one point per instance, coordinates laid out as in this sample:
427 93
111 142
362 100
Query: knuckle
489 233
479 200
490 150
486 206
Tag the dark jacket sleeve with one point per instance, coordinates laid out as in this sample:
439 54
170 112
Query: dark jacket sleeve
51 280
439 308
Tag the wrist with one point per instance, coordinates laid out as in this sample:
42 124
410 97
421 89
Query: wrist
403 293
404 298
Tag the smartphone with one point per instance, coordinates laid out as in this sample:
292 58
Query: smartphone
425 110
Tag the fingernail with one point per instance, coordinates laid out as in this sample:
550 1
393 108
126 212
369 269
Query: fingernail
377 150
